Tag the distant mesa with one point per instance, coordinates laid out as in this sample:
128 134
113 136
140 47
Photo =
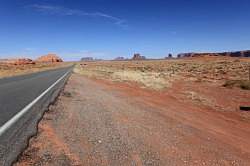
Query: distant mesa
87 59
138 56
18 61
49 58
24 61
119 58
225 54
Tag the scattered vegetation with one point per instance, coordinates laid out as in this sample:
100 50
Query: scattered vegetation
160 74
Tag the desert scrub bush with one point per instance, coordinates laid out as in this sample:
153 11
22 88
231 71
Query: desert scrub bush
243 84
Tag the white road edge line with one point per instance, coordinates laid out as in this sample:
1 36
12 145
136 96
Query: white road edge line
14 119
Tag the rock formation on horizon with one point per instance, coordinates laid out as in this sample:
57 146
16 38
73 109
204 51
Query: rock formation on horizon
49 58
226 54
169 56
18 61
87 59
119 58
138 57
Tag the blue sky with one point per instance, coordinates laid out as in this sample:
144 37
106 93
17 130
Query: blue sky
110 28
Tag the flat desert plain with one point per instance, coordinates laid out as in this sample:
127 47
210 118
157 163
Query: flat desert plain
153 112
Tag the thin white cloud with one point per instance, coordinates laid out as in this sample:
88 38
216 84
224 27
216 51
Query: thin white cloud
59 10
29 49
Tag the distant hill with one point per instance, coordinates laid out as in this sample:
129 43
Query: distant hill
87 59
229 54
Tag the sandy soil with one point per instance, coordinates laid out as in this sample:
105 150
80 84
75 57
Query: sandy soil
8 70
99 122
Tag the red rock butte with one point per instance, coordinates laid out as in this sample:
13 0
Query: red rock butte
49 58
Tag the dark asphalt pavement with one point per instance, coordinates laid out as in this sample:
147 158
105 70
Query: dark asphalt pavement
17 92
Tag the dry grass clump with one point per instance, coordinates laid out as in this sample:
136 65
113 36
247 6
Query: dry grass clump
148 79
200 99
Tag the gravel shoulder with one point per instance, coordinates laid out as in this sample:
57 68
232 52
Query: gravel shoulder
98 122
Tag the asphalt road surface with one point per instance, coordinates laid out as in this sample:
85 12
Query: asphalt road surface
17 92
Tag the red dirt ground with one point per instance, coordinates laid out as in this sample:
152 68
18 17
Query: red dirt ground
98 122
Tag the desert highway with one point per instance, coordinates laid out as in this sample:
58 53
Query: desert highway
17 92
